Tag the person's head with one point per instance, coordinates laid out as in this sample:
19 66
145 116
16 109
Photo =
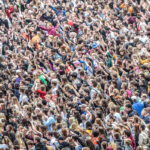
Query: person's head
6 140
43 88
90 144
116 136
148 103
83 107
22 90
95 133
93 83
64 132
88 125
51 112
136 128
142 127
128 107
60 139
112 110
85 148
64 79
99 122
37 139
8 128
144 97
104 145
86 92
127 133
99 115
49 135
140 148
73 75
127 142
144 112
44 102
58 126
54 83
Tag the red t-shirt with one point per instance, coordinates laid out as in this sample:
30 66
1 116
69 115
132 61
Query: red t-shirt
42 93
9 11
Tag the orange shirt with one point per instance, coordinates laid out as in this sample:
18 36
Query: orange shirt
130 9
35 39
123 5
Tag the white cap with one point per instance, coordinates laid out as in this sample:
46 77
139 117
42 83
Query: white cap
133 97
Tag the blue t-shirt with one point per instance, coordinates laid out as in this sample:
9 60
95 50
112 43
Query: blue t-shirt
138 106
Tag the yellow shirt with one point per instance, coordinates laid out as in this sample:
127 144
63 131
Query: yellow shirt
49 147
115 56
89 131
148 89
144 61
35 39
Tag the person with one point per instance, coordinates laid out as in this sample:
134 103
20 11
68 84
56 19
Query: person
130 111
39 145
128 144
136 132
42 92
30 145
23 97
128 135
74 74
143 138
138 107
63 144
146 115
50 120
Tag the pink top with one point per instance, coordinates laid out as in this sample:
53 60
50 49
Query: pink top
129 92
51 30
136 69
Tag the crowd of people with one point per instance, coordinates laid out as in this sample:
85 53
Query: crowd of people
74 74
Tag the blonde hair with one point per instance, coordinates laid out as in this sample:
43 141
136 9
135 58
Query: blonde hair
7 141
20 140
75 127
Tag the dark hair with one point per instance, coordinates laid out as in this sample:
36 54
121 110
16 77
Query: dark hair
127 133
124 118
119 148
104 144
142 126
99 115
88 125
50 133
117 136
101 130
44 102
30 143
95 133
128 105
136 129
148 102
52 112
113 109
38 139
90 144
59 118
94 83
86 91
